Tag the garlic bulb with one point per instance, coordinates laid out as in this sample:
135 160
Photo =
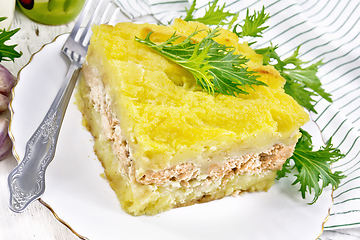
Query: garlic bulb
7 80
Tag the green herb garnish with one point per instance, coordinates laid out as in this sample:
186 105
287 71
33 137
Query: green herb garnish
313 166
301 82
214 15
7 52
252 26
215 66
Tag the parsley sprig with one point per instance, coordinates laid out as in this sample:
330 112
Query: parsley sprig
214 15
313 166
7 52
253 24
215 66
301 82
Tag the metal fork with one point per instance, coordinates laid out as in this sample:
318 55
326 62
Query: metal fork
27 180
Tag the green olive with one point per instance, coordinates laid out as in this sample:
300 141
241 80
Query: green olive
51 12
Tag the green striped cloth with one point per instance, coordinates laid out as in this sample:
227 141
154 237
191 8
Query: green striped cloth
327 30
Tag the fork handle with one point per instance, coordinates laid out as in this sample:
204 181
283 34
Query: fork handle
27 180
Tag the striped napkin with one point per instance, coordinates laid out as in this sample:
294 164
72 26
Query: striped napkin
327 30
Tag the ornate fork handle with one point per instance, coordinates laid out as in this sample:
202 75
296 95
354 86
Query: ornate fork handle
26 181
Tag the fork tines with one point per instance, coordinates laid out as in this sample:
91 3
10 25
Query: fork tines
94 12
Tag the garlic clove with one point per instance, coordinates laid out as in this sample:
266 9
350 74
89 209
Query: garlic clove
5 141
4 102
5 148
7 80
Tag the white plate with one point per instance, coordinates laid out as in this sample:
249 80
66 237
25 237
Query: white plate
77 193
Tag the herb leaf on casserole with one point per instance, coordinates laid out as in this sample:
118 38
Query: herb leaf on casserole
215 66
